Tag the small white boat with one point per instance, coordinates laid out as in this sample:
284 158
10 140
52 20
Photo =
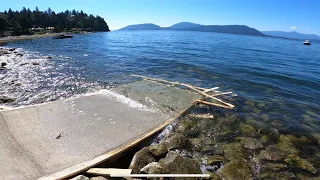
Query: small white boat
306 42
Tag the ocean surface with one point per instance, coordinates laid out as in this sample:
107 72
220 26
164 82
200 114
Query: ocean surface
277 81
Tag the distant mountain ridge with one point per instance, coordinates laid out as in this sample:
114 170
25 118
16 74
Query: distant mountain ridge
187 26
291 35
145 26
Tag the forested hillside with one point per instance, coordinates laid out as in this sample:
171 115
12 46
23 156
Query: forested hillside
29 22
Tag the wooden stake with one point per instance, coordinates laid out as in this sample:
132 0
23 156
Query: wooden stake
212 104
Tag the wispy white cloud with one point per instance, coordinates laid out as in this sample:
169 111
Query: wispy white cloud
293 27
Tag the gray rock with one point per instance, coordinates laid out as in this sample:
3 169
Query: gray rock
80 177
152 168
158 150
176 164
178 141
237 169
251 143
141 159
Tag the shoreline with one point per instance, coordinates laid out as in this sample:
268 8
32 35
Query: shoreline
4 40
7 39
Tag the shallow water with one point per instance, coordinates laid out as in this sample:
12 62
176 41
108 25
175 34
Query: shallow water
277 81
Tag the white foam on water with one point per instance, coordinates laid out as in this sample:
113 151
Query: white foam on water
123 99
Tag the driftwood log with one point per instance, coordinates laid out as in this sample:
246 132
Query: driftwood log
207 93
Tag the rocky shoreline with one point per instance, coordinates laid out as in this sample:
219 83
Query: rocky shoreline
225 147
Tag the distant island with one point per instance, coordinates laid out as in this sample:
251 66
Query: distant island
27 22
187 26
231 29
291 35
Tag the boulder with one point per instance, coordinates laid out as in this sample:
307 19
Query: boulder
80 177
3 64
178 141
158 150
35 63
152 168
12 49
237 169
233 151
248 130
298 162
251 143
173 163
141 159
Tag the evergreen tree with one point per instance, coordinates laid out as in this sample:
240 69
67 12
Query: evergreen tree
18 23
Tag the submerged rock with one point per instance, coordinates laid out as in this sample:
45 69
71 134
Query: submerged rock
268 167
226 136
286 145
248 130
12 49
298 162
251 143
35 63
283 175
273 153
176 164
152 168
158 150
178 141
237 169
3 64
141 159
233 151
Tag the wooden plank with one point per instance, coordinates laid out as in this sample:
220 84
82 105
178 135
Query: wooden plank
211 89
109 171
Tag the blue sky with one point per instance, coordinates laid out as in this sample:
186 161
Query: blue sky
284 15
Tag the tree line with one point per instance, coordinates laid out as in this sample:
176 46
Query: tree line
21 22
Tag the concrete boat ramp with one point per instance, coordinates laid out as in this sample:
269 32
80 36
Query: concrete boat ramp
56 139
